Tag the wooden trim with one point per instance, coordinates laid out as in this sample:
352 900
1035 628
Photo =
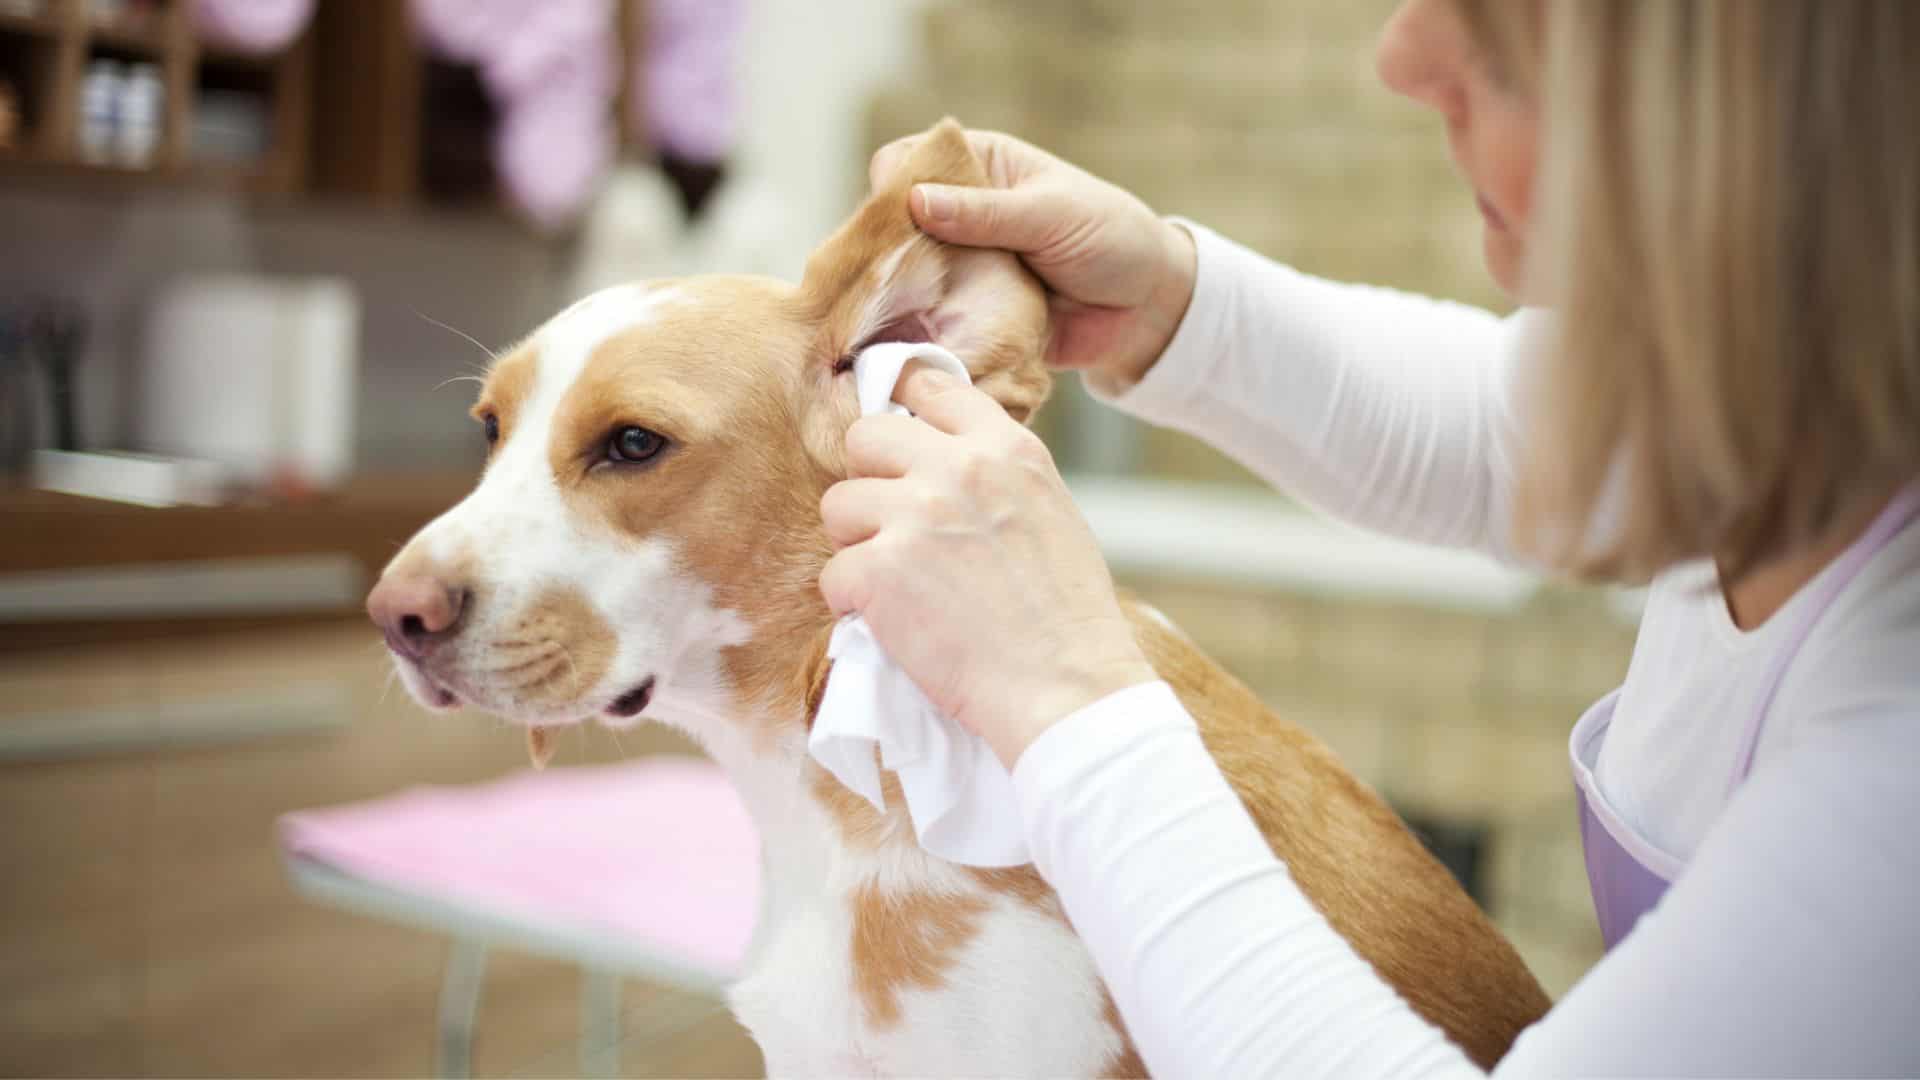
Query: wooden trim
44 25
178 66
292 150
631 102
59 121
367 88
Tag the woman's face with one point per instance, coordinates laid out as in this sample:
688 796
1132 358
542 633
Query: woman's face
1427 54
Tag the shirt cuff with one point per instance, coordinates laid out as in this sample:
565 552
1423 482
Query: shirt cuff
1053 764
1164 393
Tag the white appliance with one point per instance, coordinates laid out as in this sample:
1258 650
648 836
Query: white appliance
255 373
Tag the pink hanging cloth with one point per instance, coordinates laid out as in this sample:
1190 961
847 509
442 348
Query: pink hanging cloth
551 68
257 27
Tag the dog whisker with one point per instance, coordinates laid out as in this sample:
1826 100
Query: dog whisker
536 685
510 668
573 672
491 355
460 378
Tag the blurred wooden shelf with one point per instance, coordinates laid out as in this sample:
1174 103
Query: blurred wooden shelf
222 56
26 169
44 25
356 108
357 111
146 38
370 517
366 519
46 57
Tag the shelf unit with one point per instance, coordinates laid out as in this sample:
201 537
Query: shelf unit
44 56
374 96
359 112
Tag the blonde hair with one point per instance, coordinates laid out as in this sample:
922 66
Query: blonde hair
1729 233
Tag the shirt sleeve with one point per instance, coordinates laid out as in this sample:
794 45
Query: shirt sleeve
1789 947
1388 410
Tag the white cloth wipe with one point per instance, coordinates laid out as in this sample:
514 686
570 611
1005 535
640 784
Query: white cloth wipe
959 797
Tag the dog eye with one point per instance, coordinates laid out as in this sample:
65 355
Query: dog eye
634 445
492 424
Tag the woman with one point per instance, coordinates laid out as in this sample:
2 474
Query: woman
1718 204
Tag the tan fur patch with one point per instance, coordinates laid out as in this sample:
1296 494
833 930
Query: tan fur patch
1127 1062
863 828
910 941
1024 884
554 651
508 384
728 394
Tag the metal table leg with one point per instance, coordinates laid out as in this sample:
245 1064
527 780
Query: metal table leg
600 1024
459 998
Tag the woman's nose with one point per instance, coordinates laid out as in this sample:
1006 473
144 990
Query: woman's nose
1420 55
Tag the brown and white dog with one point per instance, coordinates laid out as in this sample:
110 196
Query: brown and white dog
645 542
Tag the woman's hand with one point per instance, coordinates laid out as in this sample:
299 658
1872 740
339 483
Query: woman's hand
976 572
1118 275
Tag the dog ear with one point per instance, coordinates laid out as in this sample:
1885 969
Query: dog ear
880 279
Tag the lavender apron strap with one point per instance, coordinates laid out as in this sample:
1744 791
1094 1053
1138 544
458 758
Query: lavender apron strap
1885 527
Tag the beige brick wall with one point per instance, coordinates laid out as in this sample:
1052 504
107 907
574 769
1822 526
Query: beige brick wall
1260 118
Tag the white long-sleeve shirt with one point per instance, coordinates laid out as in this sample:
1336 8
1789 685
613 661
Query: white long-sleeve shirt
1791 944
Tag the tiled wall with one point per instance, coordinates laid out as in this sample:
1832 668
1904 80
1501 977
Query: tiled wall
1265 120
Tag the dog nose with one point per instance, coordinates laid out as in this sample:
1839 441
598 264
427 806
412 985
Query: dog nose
414 612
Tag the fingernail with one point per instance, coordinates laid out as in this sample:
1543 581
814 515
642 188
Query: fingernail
935 204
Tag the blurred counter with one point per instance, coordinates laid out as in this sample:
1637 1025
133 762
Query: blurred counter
76 570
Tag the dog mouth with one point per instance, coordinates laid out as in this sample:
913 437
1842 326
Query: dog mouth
436 691
632 703
627 706
432 691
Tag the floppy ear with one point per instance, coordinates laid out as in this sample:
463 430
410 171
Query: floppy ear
880 279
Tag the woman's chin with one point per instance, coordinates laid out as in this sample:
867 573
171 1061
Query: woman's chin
1503 258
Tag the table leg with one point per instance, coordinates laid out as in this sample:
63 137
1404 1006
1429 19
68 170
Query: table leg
600 1024
459 998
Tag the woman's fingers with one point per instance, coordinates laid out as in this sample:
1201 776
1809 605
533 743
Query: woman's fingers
889 445
854 510
1024 220
945 402
844 581
1008 160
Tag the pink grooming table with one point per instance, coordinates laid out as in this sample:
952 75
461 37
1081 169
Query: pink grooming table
649 868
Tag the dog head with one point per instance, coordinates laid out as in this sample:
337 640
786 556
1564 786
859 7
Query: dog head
645 536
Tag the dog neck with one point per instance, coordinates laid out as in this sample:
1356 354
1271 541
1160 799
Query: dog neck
817 836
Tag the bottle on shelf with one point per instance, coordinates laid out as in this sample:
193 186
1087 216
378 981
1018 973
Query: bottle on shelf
100 94
138 117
